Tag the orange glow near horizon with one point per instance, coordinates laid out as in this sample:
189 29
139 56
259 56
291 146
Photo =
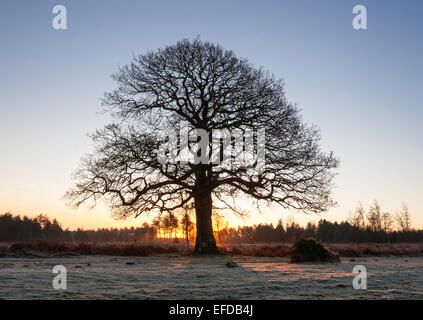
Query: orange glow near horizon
34 199
100 216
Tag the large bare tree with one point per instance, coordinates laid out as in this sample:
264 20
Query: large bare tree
209 88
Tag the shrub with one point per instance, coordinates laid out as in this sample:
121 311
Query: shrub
3 251
346 251
309 250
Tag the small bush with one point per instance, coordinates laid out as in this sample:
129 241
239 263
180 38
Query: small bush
3 251
19 246
309 250
41 245
50 248
347 251
84 248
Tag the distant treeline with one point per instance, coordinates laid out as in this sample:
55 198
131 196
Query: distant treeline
371 226
15 228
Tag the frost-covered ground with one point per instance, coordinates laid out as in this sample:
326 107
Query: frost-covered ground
190 277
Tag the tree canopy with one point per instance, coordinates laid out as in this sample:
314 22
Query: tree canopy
209 88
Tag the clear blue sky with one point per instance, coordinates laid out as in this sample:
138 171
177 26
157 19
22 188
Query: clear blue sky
364 89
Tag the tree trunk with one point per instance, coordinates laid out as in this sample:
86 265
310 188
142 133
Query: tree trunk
205 242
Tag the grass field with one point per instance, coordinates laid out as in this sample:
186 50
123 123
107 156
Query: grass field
180 276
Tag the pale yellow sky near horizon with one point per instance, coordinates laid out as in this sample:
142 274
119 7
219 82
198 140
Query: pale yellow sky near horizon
32 201
43 194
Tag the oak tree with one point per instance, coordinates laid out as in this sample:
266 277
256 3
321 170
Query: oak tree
211 89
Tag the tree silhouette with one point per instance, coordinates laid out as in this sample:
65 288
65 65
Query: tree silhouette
186 223
157 225
167 225
403 218
209 88
357 219
374 216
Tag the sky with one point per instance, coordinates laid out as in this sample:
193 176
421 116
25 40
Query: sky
363 88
